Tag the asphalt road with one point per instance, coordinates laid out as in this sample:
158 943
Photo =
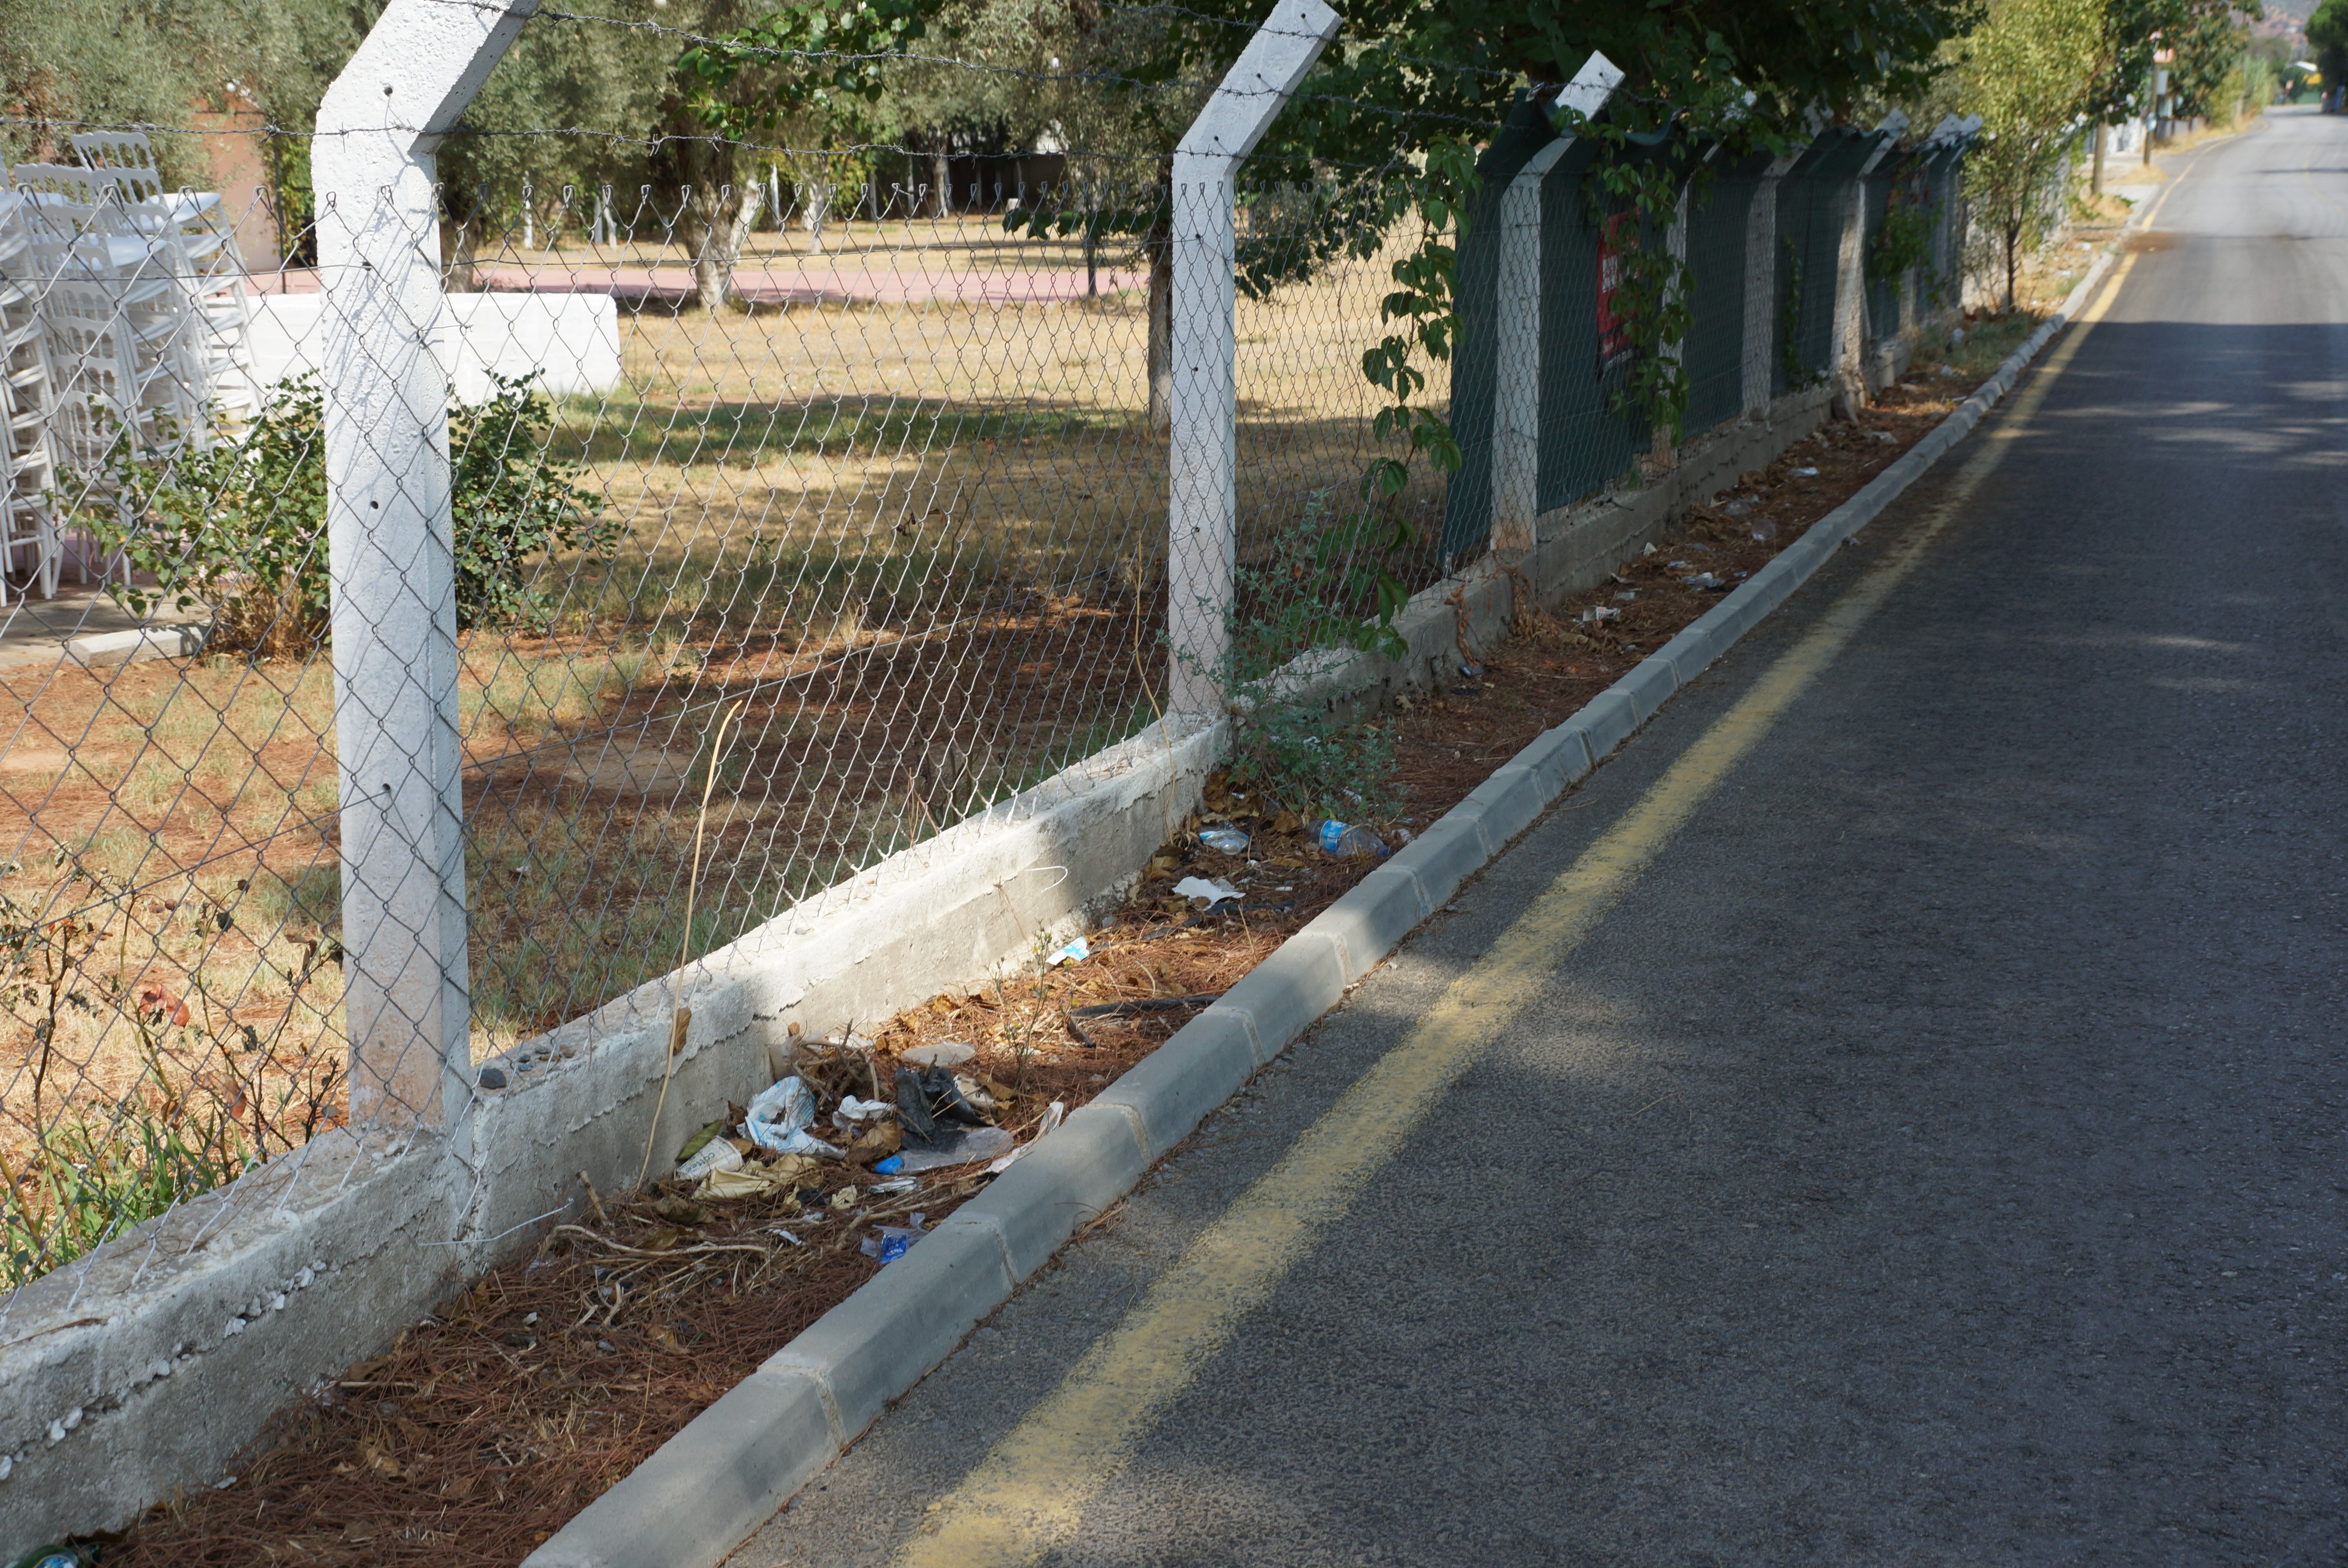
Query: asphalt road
1938 1156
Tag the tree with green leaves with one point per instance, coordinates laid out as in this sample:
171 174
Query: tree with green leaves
163 63
1385 129
2327 38
2032 73
811 76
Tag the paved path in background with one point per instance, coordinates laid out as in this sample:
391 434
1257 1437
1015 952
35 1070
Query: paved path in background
1934 1154
830 281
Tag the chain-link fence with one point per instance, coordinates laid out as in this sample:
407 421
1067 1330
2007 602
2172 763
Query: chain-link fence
1793 264
807 494
739 499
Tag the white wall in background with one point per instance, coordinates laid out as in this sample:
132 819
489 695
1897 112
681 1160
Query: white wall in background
573 338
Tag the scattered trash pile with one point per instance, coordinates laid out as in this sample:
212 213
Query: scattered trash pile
830 1113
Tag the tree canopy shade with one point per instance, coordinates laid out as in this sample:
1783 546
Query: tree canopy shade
2206 35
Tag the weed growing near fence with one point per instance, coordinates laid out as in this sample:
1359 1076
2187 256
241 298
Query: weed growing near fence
239 525
206 1094
1317 585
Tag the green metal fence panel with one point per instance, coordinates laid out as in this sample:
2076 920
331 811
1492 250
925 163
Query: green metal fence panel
1474 357
1720 213
1811 203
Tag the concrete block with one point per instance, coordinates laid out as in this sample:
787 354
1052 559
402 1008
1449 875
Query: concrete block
1443 857
705 1490
906 1320
1375 914
1649 686
1173 1088
1559 758
1069 1178
1691 652
1282 995
1733 617
1607 721
1511 800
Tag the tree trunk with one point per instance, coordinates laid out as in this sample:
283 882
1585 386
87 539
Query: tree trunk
815 196
1158 245
1161 336
941 179
723 220
460 240
2012 262
2095 182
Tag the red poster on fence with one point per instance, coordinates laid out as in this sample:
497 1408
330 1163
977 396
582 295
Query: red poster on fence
1617 237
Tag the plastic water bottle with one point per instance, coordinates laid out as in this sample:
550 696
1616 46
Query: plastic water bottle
1344 842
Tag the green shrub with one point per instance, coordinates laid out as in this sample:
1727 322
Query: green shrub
239 525
513 501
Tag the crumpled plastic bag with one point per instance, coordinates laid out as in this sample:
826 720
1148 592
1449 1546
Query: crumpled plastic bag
778 1119
930 1107
853 1114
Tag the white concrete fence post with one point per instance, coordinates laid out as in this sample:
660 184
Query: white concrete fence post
389 533
1849 358
1516 389
1202 460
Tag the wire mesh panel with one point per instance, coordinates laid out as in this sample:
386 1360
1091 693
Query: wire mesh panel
167 898
1589 431
1938 284
1498 225
1882 190
802 491
1720 214
1812 208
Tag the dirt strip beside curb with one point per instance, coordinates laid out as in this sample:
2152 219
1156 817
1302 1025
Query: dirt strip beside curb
714 1483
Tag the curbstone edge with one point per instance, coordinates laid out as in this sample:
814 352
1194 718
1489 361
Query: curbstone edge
1607 721
1512 799
1648 687
1083 1166
1440 859
709 1486
1205 1063
1373 915
1560 758
1282 995
901 1322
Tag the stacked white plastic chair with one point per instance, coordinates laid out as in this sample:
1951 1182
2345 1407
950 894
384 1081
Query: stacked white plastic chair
198 226
124 332
30 546
125 364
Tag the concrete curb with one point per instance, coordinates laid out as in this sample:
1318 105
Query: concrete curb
714 1483
105 649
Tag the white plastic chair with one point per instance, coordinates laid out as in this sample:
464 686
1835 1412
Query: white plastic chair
213 274
28 400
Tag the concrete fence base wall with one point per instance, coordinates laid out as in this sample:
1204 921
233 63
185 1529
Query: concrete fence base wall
1574 549
147 1366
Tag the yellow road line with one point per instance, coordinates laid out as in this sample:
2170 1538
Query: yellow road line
1029 1492
2192 162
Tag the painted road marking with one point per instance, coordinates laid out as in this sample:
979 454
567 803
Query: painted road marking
1029 1492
